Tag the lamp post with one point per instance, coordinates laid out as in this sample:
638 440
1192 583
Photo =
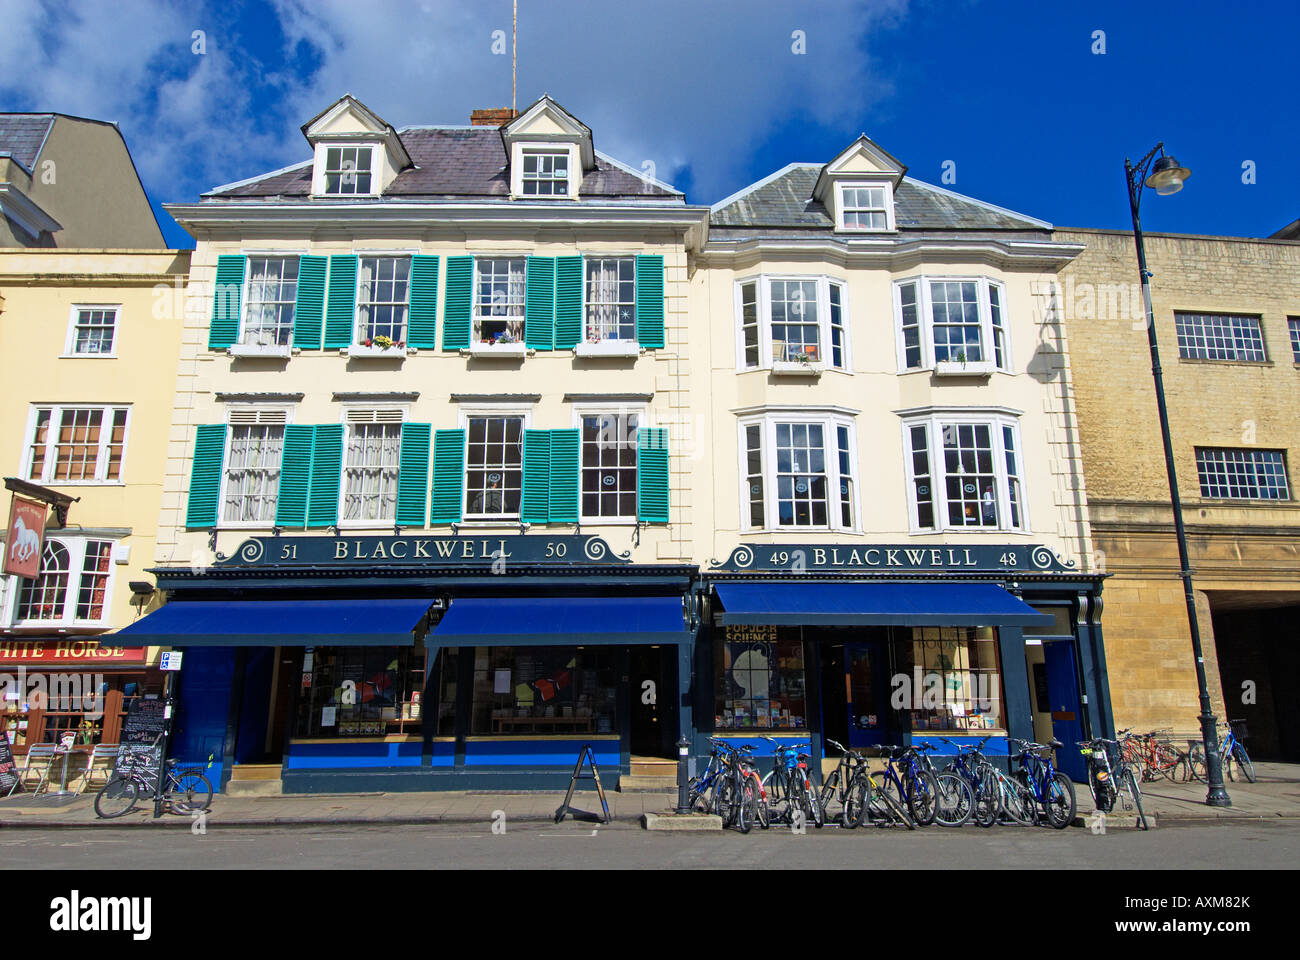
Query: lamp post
1164 175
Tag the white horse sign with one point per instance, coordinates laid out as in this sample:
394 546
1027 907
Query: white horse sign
25 537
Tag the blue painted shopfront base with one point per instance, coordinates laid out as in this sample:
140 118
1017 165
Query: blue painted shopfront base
407 780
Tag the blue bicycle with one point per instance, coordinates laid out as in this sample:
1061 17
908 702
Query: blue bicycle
968 763
789 786
1052 791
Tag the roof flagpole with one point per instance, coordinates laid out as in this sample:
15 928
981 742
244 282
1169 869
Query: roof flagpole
514 55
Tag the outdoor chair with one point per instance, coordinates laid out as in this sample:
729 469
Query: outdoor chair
99 765
40 757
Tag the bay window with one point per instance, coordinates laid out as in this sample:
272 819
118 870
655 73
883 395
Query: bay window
74 585
951 324
76 444
783 321
798 472
963 473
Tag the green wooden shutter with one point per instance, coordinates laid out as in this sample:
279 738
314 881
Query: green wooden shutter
226 293
309 311
422 324
341 313
568 302
295 476
448 470
564 476
537 477
457 303
326 472
413 474
205 479
652 475
650 300
539 303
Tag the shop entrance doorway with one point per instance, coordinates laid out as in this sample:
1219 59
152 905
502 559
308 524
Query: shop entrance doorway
1259 665
652 708
269 675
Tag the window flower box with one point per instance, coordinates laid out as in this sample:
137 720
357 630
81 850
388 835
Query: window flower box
498 348
259 350
382 347
964 368
797 368
608 348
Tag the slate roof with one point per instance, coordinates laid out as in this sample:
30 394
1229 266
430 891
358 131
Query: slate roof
783 206
21 135
451 163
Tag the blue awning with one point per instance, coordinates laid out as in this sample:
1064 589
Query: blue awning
904 603
560 621
285 623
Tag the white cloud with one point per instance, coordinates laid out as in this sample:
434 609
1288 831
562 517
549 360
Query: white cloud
696 83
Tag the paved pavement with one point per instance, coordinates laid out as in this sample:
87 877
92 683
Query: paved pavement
1276 795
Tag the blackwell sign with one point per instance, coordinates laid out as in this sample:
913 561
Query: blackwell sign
422 551
892 557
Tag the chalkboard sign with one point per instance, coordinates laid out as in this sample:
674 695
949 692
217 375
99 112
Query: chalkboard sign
141 745
8 769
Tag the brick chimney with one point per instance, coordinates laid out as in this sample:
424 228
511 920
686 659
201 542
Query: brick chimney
497 117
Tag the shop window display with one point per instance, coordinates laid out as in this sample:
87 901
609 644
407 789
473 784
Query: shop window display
360 691
541 690
960 685
761 681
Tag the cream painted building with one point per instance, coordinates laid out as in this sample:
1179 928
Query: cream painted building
486 446
87 341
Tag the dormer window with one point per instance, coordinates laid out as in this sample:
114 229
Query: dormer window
546 173
866 206
348 171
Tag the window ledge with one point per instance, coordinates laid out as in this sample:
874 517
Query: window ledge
1227 363
971 368
497 350
796 368
88 356
608 348
359 352
259 350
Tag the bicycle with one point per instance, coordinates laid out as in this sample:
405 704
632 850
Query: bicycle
1013 798
1110 782
701 789
184 791
966 764
789 787
1155 758
1230 749
954 800
1052 790
915 787
849 785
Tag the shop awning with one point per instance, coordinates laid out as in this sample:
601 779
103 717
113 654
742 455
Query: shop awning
904 603
560 621
270 623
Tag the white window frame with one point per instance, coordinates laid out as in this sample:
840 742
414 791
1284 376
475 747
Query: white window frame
76 546
474 411
829 423
518 150
591 409
925 306
764 303
476 316
258 409
934 423
51 442
319 168
240 345
347 410
70 344
888 208
586 301
408 255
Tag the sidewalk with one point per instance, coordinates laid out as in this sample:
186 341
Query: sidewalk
1275 795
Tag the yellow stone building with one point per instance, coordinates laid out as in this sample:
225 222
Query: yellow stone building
1227 314
88 340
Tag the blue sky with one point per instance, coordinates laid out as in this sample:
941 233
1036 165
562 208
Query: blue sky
712 92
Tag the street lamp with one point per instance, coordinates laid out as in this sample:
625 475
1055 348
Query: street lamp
1165 175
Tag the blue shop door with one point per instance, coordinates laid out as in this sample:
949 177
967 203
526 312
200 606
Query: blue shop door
1063 689
203 708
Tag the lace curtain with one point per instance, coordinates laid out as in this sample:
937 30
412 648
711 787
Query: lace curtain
602 301
253 474
373 455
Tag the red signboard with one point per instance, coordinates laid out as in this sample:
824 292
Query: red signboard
14 651
25 537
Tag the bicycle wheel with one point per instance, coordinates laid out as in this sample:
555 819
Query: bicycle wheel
763 815
746 806
189 793
857 798
725 800
1166 759
1061 804
986 801
116 798
828 793
888 802
922 797
1131 783
1016 803
954 801
1243 761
